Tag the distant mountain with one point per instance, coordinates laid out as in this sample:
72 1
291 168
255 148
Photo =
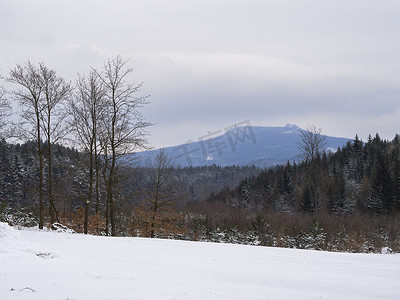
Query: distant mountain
241 146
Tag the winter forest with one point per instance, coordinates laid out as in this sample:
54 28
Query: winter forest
63 164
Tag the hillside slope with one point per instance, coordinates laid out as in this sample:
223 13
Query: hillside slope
48 265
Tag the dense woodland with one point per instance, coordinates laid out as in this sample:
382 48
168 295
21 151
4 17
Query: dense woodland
360 177
19 176
343 201
350 199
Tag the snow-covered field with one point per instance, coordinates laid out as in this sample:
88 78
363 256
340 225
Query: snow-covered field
49 265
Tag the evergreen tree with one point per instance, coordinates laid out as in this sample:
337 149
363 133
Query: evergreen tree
307 203
380 198
285 190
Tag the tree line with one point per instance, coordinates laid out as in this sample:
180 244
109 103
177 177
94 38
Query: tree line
342 201
359 177
137 189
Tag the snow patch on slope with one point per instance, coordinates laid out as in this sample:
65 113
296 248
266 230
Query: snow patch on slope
15 246
10 239
102 268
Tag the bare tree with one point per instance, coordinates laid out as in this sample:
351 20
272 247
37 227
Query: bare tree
40 95
5 108
87 109
56 91
31 101
124 125
312 142
157 215
161 192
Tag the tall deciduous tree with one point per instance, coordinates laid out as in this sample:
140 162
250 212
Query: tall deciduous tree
56 92
124 125
86 108
30 98
40 95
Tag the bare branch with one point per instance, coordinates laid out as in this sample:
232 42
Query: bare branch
5 108
312 142
124 126
41 94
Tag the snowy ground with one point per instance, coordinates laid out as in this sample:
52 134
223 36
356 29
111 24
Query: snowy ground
48 265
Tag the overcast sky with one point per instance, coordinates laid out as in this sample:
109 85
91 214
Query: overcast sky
212 63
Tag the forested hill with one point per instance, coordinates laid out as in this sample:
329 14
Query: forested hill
242 146
363 177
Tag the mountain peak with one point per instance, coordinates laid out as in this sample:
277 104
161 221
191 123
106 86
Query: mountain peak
288 125
241 145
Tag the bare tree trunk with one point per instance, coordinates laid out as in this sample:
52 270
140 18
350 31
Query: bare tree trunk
90 191
107 217
40 153
156 194
107 204
52 209
112 167
96 158
110 200
152 225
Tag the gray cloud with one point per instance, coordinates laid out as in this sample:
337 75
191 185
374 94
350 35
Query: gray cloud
209 64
